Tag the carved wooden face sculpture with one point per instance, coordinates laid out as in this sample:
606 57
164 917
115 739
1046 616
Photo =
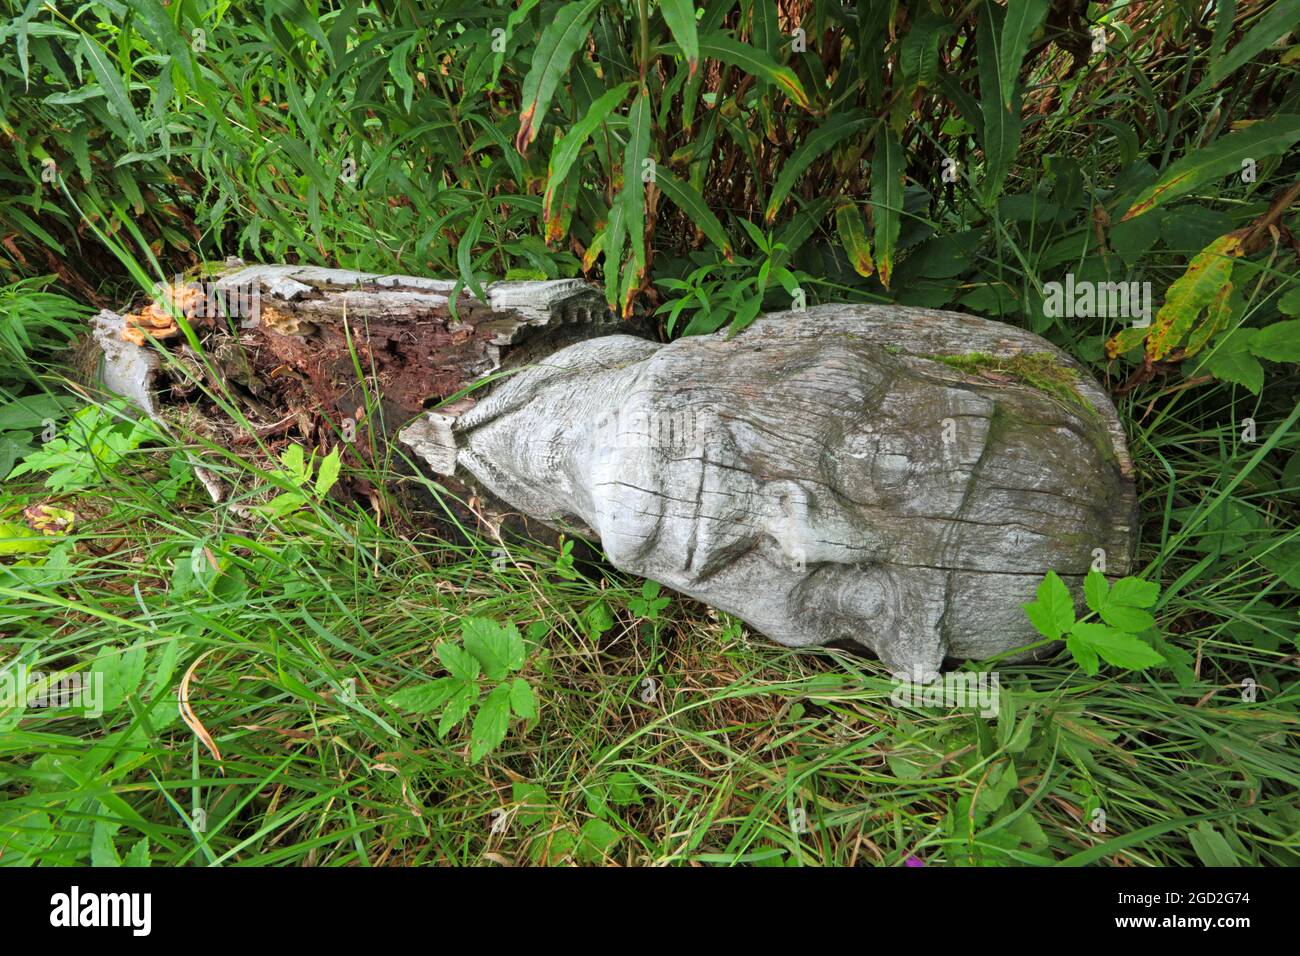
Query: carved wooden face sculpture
823 475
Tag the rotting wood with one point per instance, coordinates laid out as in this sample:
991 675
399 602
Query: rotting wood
826 475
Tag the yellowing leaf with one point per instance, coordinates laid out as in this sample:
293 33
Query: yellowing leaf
1191 293
1125 341
853 235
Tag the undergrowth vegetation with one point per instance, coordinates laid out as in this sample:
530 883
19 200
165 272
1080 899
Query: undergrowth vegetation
1120 179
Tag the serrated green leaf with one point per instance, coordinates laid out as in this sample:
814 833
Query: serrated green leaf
1052 614
490 724
1279 342
1289 304
1083 655
460 664
138 855
1095 590
522 701
499 648
1230 360
1134 592
427 697
1131 619
457 707
1116 647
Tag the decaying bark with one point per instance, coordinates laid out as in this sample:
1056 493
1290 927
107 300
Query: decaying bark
311 353
844 472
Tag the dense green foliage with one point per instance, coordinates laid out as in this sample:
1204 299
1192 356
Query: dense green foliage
704 165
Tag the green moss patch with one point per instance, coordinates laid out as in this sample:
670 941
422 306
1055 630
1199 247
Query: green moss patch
1038 370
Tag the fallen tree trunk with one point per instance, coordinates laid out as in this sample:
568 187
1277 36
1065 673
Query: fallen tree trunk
901 478
329 356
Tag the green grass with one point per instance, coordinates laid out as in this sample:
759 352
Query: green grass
713 767
292 633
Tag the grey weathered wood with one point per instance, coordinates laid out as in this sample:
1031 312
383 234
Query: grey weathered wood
820 475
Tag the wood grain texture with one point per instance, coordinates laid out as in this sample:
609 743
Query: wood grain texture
821 475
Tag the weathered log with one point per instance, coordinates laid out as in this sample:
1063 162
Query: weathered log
842 473
303 348
901 478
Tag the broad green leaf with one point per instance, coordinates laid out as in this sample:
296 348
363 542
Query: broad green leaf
1211 846
460 663
559 41
163 33
1289 304
490 724
918 52
685 198
522 701
887 199
1022 19
1279 342
597 839
498 648
615 234
425 698
457 707
833 131
1052 614
465 254
1230 360
328 473
1083 654
1116 647
999 124
1221 158
17 538
633 196
122 670
1134 592
102 851
566 153
1095 590
757 63
680 17
1191 294
1218 315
